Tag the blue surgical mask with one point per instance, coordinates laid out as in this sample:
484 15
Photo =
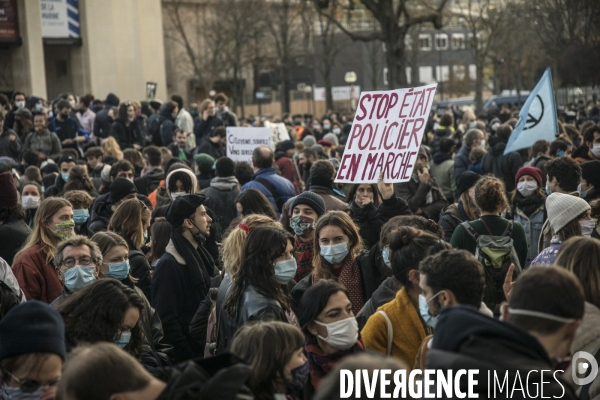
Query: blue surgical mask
424 311
385 254
560 153
65 176
316 127
582 192
122 340
38 107
336 131
285 270
78 276
326 127
336 253
548 191
15 393
80 216
118 270
473 125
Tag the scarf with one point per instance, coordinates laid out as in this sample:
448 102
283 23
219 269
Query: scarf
351 278
529 204
200 262
304 258
320 363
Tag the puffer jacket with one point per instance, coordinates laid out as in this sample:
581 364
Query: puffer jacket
502 166
221 197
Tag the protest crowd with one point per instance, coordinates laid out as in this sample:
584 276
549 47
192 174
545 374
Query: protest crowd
139 261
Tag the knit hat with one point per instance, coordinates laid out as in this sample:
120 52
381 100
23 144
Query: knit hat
326 143
318 149
204 162
182 207
8 191
286 145
48 168
590 171
534 172
185 171
66 157
332 137
32 327
24 113
466 180
564 208
120 188
312 200
309 141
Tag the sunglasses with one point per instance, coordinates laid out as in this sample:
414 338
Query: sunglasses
30 385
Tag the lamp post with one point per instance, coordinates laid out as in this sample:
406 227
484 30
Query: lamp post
351 78
308 90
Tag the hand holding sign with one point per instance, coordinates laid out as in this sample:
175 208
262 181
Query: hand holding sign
386 134
386 189
424 176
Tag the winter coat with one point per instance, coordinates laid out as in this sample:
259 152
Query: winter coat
438 136
180 153
502 166
466 339
139 268
252 306
385 293
204 128
533 229
11 294
66 130
442 169
14 233
286 167
125 135
415 193
282 186
184 121
177 290
461 161
54 190
103 122
37 277
43 142
450 218
167 127
149 181
221 196
332 203
228 118
370 219
215 150
101 212
10 148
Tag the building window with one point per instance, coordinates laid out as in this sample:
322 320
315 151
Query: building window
442 73
458 41
459 72
408 42
408 75
441 41
473 72
424 42
426 75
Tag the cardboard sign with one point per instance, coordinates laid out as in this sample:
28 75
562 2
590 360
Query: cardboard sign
241 142
386 134
279 132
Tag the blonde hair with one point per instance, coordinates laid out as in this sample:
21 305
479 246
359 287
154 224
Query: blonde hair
110 148
42 235
106 241
129 220
348 227
204 105
469 206
234 242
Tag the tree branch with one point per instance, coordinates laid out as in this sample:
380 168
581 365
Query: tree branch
352 35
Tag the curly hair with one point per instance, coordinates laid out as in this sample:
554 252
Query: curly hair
95 313
79 180
263 246
414 221
567 172
490 195
79 199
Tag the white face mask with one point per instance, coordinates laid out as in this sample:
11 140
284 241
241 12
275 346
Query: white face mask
72 103
587 226
527 188
596 150
175 195
29 202
341 334
20 104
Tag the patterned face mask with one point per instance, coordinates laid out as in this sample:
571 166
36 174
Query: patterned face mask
64 230
302 225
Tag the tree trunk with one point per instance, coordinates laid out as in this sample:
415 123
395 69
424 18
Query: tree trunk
328 85
479 84
285 88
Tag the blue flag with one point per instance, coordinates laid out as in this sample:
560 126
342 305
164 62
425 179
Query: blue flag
537 119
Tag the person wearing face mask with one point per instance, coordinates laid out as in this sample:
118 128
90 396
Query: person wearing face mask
85 115
408 328
131 221
259 289
31 353
590 181
45 143
336 129
271 348
528 207
81 202
126 129
317 131
66 127
14 231
104 311
10 144
591 138
182 276
18 103
465 209
568 216
65 163
121 190
339 255
331 331
115 265
447 279
534 337
33 265
78 259
31 197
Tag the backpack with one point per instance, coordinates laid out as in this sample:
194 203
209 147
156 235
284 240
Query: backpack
495 253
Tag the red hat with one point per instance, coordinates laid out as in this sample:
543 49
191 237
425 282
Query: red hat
324 142
8 191
534 172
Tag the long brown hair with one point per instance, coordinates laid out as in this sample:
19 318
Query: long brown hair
129 220
42 235
345 223
469 206
581 255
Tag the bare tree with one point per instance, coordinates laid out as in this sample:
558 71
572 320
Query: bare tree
330 48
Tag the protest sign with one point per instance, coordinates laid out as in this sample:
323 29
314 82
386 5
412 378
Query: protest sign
241 142
386 134
279 132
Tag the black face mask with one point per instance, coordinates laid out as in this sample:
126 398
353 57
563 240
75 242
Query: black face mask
199 236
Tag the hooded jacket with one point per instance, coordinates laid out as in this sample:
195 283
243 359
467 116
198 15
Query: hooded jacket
215 150
13 233
100 215
282 186
10 148
150 180
466 339
54 190
166 124
502 166
204 128
43 142
221 196
103 122
438 136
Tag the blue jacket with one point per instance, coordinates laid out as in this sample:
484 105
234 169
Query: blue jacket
283 187
461 161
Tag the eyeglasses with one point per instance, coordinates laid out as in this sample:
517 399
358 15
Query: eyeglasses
71 262
30 386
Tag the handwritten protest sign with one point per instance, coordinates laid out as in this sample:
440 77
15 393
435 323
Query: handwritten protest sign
241 142
279 132
386 134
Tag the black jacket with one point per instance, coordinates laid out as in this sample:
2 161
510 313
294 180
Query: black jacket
102 122
370 273
204 128
415 194
502 166
125 135
215 150
438 136
176 150
385 293
10 148
59 186
221 196
66 130
251 306
450 218
466 339
177 290
13 234
101 212
140 269
149 182
370 219
166 124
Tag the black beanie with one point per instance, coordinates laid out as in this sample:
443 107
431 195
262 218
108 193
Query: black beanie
120 188
31 327
590 172
312 200
466 180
